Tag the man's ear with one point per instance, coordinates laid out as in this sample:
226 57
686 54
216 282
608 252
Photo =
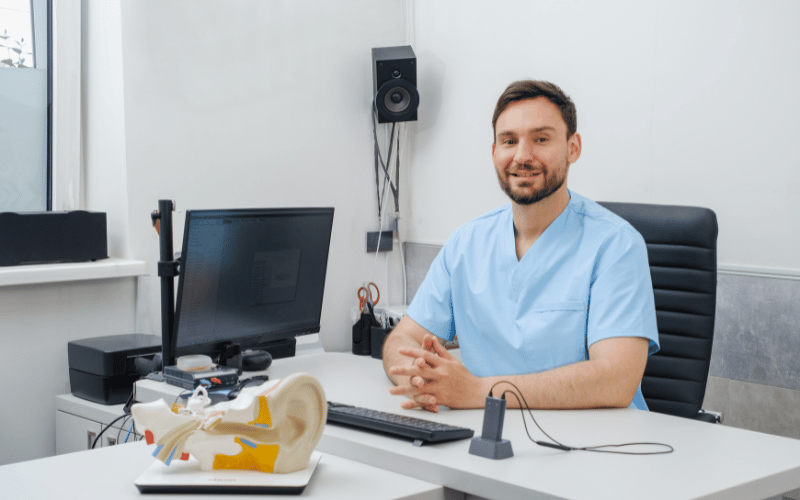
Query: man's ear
573 148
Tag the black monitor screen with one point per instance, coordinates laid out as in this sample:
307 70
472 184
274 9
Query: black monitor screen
250 276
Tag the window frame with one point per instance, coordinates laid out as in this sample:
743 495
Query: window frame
65 169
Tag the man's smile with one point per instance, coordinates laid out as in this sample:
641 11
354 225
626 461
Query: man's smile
524 174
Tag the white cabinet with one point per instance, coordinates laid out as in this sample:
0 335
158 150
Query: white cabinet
79 422
74 433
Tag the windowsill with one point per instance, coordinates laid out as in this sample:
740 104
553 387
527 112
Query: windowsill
76 271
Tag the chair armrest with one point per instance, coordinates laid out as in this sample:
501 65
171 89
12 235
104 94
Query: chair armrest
711 417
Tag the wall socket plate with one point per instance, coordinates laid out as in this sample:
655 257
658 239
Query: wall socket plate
385 243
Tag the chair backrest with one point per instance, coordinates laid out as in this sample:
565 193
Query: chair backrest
682 249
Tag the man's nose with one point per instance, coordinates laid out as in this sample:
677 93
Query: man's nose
524 154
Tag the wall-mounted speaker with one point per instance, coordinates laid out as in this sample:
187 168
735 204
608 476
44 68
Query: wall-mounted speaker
394 83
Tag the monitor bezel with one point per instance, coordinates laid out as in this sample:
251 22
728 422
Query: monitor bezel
248 341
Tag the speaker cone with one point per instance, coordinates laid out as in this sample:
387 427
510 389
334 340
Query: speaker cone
397 100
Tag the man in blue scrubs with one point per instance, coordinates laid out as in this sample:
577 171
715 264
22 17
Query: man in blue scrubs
551 292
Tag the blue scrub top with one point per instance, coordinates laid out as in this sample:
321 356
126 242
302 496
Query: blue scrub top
585 279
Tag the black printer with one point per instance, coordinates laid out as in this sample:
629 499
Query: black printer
102 369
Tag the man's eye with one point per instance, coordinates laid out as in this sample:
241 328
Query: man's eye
542 139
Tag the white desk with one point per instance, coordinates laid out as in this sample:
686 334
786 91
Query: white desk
709 462
109 473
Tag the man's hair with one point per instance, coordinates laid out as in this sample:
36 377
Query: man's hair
531 89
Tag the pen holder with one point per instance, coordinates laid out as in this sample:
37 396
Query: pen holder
377 336
361 336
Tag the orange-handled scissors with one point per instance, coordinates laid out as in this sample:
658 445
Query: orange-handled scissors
365 295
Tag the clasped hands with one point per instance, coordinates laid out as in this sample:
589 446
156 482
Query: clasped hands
435 377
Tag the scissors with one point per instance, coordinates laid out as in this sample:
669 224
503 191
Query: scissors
365 296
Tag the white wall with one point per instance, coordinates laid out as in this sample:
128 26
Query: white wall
104 120
687 103
255 104
37 322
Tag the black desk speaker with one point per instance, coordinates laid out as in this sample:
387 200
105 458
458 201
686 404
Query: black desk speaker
44 237
394 83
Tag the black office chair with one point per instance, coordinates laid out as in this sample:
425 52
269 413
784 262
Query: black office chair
682 249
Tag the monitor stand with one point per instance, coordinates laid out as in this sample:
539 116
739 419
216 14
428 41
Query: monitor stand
231 356
284 348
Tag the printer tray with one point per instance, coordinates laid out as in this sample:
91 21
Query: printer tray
108 390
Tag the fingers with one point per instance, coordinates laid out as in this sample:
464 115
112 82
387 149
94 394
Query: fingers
442 351
419 368
413 403
413 352
408 390
416 399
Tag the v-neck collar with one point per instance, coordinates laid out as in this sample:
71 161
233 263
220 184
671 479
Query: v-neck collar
528 268
550 232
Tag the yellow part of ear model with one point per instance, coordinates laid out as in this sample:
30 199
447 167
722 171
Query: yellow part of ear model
258 457
263 419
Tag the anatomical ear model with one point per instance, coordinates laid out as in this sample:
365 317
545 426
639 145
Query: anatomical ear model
273 427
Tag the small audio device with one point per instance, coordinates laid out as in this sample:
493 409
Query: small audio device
219 376
491 443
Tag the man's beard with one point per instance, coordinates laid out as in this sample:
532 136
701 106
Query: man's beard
552 183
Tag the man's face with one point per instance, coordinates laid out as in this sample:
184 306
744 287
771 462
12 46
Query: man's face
531 152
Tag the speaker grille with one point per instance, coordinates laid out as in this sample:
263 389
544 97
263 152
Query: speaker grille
397 100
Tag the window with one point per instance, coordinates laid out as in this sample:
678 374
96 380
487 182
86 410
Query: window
25 106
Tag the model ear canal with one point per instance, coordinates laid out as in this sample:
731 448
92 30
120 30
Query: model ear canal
299 410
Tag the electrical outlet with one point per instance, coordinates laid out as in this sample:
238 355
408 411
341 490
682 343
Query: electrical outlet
385 244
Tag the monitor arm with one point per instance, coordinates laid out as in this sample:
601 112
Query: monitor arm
167 270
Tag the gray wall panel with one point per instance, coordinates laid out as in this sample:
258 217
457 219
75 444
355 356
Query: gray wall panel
418 260
757 329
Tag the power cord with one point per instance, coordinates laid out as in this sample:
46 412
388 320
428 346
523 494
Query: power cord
105 429
129 433
126 414
234 393
385 166
559 446
122 426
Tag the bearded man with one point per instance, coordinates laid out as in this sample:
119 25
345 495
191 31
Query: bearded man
551 292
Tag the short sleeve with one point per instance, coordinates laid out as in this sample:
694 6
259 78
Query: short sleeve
432 306
621 300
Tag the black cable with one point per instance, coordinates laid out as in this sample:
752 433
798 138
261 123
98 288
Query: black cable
233 393
189 391
396 186
126 412
384 165
555 444
106 428
122 426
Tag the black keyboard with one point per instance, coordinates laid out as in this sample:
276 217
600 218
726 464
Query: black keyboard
421 431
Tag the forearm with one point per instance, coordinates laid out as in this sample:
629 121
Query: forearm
586 384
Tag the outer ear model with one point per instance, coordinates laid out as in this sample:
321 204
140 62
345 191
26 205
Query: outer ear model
273 427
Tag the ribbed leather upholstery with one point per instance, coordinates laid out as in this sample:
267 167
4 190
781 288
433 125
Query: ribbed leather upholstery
682 249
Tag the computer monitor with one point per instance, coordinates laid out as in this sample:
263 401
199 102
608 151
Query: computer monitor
252 277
